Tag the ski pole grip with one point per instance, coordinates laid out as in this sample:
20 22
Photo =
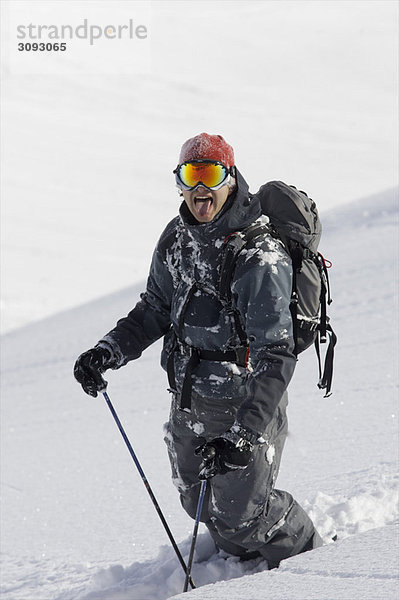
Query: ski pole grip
99 381
209 453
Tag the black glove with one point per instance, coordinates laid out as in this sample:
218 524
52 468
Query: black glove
89 366
228 452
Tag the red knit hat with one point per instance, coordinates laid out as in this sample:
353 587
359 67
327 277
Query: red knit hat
211 147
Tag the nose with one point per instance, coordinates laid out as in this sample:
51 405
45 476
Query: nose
200 188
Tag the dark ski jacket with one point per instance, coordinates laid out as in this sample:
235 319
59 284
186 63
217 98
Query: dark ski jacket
189 253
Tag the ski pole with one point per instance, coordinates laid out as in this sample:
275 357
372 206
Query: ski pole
195 532
102 388
209 458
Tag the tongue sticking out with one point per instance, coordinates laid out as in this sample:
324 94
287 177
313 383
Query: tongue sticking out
203 207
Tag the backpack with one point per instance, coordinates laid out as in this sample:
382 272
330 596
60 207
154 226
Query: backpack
294 220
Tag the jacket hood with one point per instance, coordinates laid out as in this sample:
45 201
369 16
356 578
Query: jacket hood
240 210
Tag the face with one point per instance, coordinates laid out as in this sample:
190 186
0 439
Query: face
205 204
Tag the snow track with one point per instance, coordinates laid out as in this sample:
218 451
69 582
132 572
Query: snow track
369 504
363 500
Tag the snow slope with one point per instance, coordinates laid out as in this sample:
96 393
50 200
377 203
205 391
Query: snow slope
305 91
77 522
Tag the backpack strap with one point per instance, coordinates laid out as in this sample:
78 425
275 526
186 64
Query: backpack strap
297 254
325 295
325 377
324 329
233 245
192 291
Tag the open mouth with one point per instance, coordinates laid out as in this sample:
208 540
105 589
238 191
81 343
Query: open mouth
203 204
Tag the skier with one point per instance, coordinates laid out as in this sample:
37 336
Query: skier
227 393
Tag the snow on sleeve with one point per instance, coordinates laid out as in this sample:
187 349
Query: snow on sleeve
268 252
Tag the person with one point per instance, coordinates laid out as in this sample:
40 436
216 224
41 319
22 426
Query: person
225 393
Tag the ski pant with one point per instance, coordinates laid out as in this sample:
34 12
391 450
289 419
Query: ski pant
242 510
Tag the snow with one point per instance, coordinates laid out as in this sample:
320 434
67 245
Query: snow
342 570
273 256
303 90
270 454
77 521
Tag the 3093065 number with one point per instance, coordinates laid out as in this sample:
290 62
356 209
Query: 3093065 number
41 47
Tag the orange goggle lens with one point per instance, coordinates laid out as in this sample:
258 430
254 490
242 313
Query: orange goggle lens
209 174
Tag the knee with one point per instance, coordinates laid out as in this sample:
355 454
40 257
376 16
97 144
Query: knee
188 503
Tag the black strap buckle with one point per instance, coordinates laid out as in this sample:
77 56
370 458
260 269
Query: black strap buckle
185 349
308 325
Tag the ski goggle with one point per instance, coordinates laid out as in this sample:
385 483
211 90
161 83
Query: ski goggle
212 175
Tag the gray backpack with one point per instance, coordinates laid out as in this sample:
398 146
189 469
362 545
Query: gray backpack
293 219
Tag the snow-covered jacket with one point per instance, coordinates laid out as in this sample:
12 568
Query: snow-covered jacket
189 253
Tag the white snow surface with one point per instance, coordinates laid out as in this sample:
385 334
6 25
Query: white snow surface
305 91
77 522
